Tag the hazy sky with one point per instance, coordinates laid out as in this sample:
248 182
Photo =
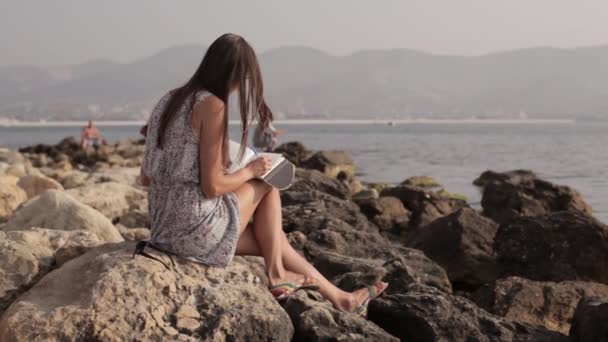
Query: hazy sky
71 31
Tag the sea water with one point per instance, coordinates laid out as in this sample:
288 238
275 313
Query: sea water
573 154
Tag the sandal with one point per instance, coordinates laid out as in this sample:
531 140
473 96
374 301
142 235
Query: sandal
373 291
284 290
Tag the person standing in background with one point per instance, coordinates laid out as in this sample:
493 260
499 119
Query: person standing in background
265 140
91 137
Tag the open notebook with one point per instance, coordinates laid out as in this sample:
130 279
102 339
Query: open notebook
281 173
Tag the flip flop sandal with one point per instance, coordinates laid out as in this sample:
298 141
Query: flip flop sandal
284 290
373 293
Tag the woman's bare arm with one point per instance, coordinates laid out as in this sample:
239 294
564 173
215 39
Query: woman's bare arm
208 118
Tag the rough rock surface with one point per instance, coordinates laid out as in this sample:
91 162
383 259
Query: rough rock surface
112 199
560 246
330 163
589 322
309 180
426 206
58 210
540 303
387 212
337 239
34 185
513 177
421 182
105 295
508 196
294 151
315 319
427 314
26 256
462 243
11 196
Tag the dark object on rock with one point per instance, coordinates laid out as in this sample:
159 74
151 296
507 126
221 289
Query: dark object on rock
294 151
315 319
560 246
462 243
426 314
330 163
513 177
307 180
543 303
386 212
590 322
520 193
426 206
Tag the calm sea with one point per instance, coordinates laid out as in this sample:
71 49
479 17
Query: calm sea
573 154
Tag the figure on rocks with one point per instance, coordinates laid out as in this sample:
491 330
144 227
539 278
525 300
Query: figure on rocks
91 137
201 212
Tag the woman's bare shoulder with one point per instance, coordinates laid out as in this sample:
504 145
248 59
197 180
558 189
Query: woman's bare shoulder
209 106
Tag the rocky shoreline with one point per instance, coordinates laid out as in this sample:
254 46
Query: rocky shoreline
531 266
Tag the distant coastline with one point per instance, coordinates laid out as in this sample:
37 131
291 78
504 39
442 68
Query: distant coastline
306 122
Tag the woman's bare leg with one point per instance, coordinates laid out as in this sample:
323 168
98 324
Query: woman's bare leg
268 214
254 202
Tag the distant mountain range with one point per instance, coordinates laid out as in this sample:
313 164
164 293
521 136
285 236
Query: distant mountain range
303 82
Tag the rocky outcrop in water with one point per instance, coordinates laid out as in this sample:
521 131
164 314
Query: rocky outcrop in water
521 193
67 275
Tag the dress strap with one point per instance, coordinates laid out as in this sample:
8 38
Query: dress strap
141 246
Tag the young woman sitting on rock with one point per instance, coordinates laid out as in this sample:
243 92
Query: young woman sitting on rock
199 211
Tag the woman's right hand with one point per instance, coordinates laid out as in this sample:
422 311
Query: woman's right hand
259 166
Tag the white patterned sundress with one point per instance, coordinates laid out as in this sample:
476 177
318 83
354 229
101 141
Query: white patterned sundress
183 220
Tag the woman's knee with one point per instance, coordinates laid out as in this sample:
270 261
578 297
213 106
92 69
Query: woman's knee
261 186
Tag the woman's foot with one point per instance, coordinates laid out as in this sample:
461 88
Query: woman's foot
281 288
357 301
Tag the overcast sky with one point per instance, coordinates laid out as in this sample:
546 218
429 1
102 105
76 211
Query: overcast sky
50 32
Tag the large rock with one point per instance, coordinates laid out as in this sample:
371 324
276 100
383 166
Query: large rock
308 180
308 211
34 185
106 295
387 212
58 210
426 206
561 246
11 196
331 163
521 194
589 322
11 156
337 239
316 320
462 243
541 303
427 314
294 151
26 256
112 199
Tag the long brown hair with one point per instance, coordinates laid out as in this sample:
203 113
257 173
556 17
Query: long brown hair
228 63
